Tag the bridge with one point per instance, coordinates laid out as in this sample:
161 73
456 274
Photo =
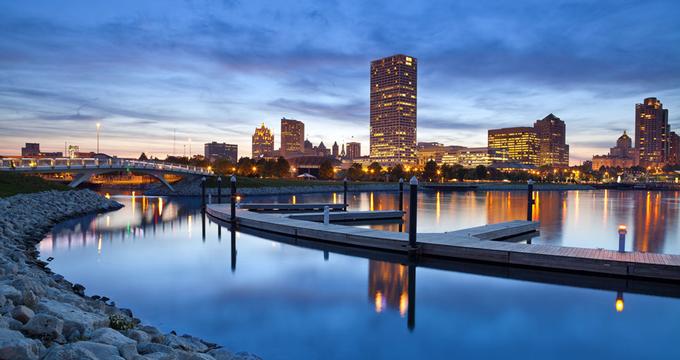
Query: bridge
84 168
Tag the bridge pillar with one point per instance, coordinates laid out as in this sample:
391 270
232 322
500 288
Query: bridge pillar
81 178
160 178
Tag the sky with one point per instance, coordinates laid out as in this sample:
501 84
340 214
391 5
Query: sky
154 71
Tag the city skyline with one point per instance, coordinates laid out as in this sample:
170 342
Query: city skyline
142 75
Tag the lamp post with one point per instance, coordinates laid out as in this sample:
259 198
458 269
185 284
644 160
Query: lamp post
98 126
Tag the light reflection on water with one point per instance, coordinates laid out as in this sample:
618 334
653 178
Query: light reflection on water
177 269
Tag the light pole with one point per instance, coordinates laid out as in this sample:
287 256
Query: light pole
98 126
189 148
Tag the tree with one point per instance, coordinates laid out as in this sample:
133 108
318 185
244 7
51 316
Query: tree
430 170
397 172
480 172
355 172
282 168
245 167
326 170
143 157
375 169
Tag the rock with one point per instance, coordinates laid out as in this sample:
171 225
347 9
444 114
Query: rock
139 336
10 292
245 356
185 342
126 346
186 355
150 348
221 354
74 317
79 289
101 351
69 353
7 322
14 346
156 335
161 356
22 313
45 326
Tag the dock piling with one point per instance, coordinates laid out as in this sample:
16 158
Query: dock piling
233 198
326 215
344 192
203 191
530 200
622 238
412 211
401 194
219 189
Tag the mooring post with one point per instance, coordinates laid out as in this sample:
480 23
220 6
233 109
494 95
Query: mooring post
219 189
326 215
344 193
203 190
622 238
413 210
233 198
401 194
530 200
411 321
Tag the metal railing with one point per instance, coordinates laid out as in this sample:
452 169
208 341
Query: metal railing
65 164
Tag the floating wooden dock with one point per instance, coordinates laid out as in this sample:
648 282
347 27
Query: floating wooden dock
291 207
475 244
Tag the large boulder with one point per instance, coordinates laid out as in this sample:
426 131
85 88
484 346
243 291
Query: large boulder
185 342
22 313
11 293
14 346
126 346
46 327
82 350
75 319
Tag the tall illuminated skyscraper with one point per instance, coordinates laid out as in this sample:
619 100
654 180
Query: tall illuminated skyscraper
263 142
652 132
552 148
393 110
292 137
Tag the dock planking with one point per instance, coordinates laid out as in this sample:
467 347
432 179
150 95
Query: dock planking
477 243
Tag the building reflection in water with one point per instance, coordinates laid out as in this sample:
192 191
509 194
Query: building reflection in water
388 286
651 215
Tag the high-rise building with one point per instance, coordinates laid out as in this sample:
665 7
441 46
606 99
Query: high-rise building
335 149
673 148
516 144
31 149
393 110
292 137
217 151
353 150
552 147
651 132
263 142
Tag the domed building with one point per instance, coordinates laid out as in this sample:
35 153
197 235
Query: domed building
622 155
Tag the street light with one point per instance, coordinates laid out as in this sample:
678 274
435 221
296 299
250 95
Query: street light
98 126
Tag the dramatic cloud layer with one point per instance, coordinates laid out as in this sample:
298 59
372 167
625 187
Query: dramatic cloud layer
210 70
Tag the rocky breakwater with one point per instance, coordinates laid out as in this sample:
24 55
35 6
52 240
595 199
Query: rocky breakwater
44 316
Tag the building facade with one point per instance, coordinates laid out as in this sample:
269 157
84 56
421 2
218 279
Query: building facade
353 150
221 151
673 148
622 155
517 144
393 110
652 132
292 137
30 150
552 147
335 149
472 157
263 142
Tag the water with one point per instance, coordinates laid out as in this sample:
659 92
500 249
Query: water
287 302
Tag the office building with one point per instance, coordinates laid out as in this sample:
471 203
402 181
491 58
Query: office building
221 151
517 144
651 132
292 137
393 103
353 150
263 142
552 147
30 150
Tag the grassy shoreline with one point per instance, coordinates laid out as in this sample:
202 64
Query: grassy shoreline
12 184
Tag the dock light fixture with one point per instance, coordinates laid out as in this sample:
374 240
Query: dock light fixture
619 302
622 238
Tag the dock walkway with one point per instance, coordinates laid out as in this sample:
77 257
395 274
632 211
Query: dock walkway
474 244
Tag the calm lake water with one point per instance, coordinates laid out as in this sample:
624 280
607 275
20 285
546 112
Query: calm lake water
159 257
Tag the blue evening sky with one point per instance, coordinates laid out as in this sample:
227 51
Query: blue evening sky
214 70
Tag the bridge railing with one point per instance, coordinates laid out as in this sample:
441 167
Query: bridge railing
63 164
